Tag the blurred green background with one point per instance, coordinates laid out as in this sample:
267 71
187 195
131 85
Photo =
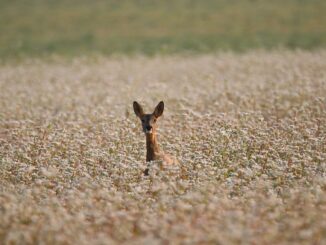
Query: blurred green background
83 27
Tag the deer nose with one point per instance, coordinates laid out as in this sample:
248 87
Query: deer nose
148 127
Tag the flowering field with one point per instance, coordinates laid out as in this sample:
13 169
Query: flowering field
248 129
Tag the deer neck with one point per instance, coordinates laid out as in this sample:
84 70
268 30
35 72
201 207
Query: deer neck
153 150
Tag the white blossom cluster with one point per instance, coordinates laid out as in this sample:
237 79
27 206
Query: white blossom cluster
249 131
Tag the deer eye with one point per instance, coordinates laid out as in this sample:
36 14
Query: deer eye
143 120
154 120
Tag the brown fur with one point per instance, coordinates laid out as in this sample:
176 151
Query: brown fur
149 127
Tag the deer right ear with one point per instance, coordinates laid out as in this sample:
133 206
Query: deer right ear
159 109
138 109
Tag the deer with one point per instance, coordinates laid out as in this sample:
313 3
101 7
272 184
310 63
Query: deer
149 125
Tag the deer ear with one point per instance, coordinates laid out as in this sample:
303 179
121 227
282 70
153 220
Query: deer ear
159 109
138 109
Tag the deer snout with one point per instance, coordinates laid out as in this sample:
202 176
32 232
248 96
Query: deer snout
148 128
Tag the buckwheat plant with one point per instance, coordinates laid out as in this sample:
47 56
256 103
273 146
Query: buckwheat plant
249 131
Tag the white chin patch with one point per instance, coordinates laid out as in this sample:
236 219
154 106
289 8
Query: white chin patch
148 131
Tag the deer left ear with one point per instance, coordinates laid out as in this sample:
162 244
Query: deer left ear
159 109
138 109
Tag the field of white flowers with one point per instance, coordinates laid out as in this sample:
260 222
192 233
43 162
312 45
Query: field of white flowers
248 129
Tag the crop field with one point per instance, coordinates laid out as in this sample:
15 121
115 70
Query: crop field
249 132
73 27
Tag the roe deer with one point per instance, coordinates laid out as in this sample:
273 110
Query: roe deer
149 128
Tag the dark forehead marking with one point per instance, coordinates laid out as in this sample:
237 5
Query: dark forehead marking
147 116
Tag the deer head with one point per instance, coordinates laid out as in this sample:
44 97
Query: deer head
148 121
